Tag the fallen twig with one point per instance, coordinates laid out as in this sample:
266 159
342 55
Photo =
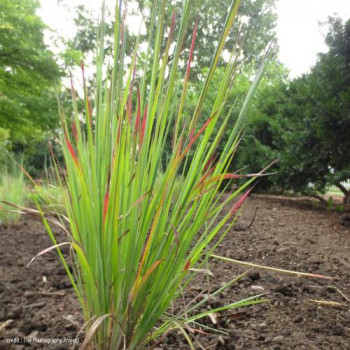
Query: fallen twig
3 325
34 305
46 294
263 267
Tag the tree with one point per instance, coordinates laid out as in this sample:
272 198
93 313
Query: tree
255 26
255 22
321 104
264 139
313 112
28 75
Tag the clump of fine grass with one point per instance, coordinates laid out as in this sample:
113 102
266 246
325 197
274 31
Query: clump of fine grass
50 197
13 189
138 237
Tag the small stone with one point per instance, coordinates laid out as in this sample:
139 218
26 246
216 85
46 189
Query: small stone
254 276
282 250
284 290
257 288
15 313
221 340
278 339
41 327
33 334
298 319
338 330
70 327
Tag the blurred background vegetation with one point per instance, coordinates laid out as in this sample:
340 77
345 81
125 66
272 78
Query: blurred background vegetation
304 123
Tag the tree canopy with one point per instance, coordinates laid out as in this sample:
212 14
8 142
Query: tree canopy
308 124
28 76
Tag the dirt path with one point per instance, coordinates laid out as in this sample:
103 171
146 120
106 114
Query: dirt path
38 302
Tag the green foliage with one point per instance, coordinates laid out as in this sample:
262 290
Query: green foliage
264 138
255 25
319 111
305 123
255 22
50 198
28 74
13 189
135 231
4 146
84 42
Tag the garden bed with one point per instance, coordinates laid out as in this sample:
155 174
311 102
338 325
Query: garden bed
303 313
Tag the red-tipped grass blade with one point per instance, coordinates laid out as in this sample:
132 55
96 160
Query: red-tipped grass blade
70 148
224 177
209 162
153 227
179 147
194 138
191 52
105 206
188 264
241 201
143 125
138 113
75 131
201 182
139 283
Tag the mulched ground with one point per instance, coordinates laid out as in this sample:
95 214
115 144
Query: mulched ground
303 313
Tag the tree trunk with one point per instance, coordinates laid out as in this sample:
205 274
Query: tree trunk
320 198
346 200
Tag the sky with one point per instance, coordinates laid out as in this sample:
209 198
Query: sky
299 35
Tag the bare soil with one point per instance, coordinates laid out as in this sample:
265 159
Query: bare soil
37 304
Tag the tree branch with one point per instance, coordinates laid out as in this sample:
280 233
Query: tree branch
9 53
320 198
342 188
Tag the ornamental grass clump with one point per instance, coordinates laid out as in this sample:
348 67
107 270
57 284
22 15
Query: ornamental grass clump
136 235
13 190
49 196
